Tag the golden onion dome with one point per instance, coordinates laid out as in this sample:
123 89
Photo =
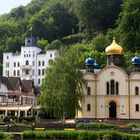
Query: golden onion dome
114 48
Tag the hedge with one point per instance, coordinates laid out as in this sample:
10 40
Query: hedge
95 125
81 134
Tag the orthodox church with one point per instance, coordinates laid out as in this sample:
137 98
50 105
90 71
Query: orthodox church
112 92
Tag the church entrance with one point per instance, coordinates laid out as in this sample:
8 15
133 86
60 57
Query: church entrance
112 110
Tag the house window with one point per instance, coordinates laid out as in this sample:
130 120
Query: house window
88 107
43 63
14 64
7 73
27 72
39 63
7 64
18 64
112 87
14 72
38 81
17 72
33 63
39 72
42 71
33 72
50 55
7 57
88 90
136 90
27 62
137 107
3 99
107 88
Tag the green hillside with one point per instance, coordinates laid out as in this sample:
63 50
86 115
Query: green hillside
87 23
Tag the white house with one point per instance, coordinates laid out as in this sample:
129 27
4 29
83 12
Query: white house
28 64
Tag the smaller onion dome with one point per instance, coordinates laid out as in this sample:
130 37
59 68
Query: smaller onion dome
89 61
96 66
136 60
114 49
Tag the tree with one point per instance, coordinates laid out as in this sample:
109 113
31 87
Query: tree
97 15
100 42
129 25
61 90
63 19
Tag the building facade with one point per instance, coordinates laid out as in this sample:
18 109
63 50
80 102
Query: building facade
17 97
112 92
29 64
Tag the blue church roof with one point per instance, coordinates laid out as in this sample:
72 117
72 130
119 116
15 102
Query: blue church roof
89 61
136 60
96 66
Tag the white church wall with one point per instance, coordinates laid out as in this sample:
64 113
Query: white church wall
112 73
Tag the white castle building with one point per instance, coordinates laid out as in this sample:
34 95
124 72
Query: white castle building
112 92
29 64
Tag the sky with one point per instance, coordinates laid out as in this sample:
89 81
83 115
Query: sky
7 5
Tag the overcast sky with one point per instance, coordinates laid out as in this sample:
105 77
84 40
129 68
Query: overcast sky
7 5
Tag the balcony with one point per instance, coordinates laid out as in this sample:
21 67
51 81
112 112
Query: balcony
25 66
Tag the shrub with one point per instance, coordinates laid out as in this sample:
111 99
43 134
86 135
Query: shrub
29 134
88 135
95 125
40 135
72 39
132 125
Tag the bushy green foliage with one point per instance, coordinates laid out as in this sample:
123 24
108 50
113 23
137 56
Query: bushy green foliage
73 39
29 134
128 25
88 135
95 125
63 83
132 125
63 23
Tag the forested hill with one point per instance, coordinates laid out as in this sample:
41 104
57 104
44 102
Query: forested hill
64 22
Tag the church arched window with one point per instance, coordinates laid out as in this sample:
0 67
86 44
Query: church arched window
112 87
107 88
137 107
88 107
136 90
88 90
117 88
